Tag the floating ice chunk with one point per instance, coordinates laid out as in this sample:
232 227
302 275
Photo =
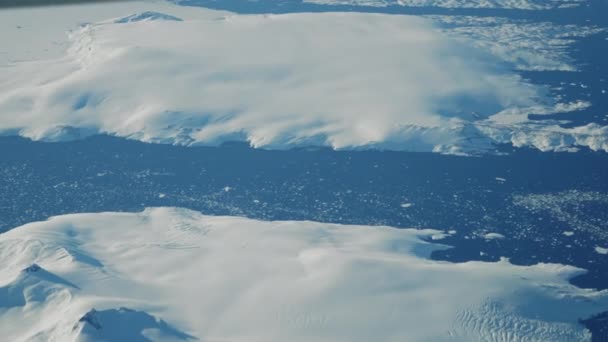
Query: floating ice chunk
601 250
438 236
493 236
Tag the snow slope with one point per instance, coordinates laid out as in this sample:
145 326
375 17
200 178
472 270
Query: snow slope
175 275
343 80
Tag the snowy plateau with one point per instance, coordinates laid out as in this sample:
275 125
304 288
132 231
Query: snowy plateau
342 80
169 274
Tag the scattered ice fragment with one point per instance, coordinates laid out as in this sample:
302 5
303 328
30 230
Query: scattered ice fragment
161 195
601 250
501 179
568 233
406 205
493 236
438 236
452 232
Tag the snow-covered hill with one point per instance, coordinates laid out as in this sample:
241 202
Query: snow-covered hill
169 274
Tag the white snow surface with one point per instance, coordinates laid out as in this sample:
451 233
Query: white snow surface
171 274
162 73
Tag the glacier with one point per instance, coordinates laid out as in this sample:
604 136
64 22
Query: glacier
343 80
175 274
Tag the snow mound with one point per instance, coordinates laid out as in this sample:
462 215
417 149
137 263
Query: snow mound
185 275
146 16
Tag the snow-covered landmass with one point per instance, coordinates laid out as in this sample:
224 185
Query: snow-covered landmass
510 4
173 274
344 80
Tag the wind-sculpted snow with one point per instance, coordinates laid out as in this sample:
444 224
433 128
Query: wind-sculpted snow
174 274
343 80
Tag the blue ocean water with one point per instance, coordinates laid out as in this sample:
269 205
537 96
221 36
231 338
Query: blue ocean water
472 195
